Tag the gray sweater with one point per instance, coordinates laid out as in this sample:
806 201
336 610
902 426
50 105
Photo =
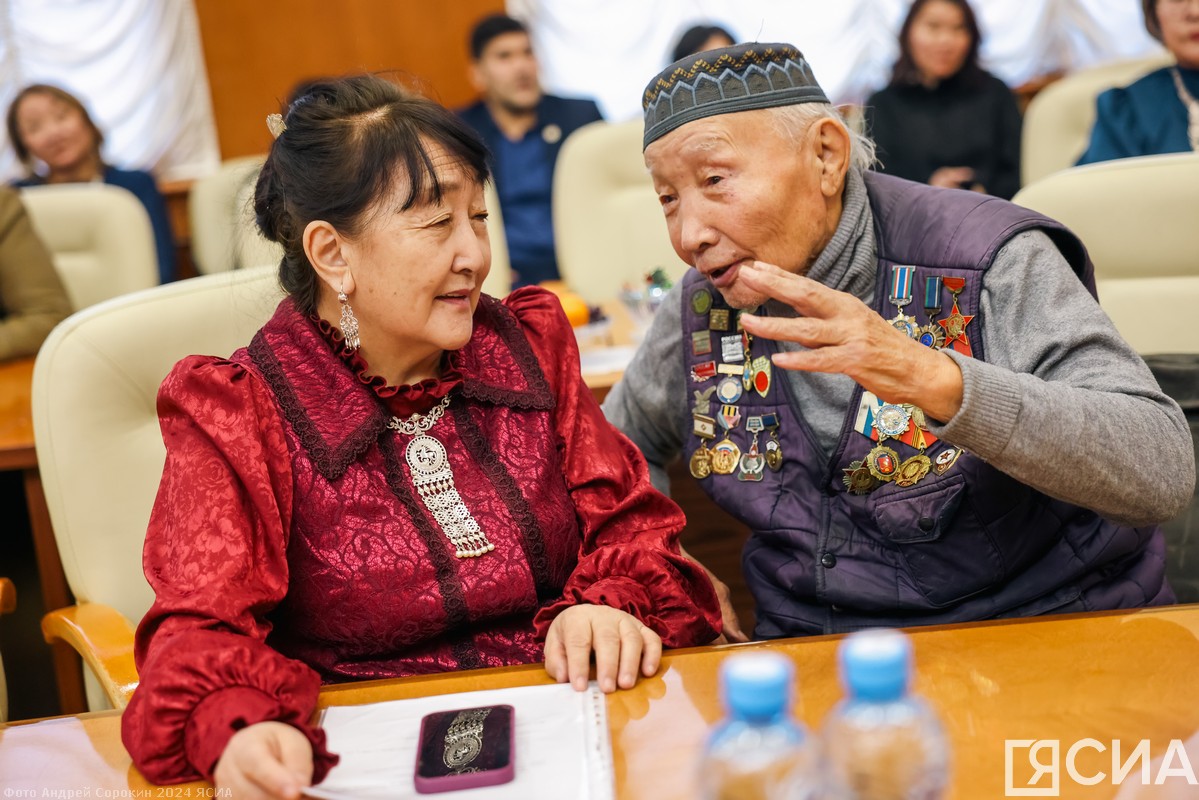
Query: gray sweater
1063 403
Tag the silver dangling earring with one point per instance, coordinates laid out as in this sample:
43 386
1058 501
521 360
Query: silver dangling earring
349 322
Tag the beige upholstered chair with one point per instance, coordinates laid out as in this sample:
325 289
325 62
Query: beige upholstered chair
499 280
1057 124
99 236
101 454
608 225
1137 218
221 210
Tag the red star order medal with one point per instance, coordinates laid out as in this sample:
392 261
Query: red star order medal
955 330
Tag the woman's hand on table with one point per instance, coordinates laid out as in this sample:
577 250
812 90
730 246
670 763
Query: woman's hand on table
622 645
265 760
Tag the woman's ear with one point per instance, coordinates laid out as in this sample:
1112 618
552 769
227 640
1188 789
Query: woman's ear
833 149
326 251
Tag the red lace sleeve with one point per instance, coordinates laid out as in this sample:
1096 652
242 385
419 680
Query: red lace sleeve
630 556
216 557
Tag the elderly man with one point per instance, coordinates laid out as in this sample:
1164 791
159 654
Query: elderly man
908 394
524 130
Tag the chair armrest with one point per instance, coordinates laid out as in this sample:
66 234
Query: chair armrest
8 596
104 638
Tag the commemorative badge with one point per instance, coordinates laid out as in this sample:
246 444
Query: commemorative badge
701 301
901 295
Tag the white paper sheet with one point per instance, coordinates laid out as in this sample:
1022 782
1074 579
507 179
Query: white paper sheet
562 747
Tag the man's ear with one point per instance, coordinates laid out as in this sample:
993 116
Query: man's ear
832 143
326 251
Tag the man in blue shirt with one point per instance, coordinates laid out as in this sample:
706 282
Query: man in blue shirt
523 129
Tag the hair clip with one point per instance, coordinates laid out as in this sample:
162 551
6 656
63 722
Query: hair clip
275 124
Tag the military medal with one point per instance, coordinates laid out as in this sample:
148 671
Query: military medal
701 461
725 457
774 450
730 417
701 343
891 420
946 459
912 470
932 335
752 464
901 295
857 478
718 319
701 301
747 373
729 390
882 462
955 324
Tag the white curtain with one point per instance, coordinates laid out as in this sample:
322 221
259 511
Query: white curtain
136 64
609 49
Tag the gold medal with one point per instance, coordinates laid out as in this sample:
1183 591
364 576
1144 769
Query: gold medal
883 463
857 478
725 457
701 462
774 453
912 470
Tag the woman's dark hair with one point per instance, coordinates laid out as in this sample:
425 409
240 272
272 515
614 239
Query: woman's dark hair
1152 23
14 133
694 38
347 143
906 73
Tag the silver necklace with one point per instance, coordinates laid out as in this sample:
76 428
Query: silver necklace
434 480
1192 107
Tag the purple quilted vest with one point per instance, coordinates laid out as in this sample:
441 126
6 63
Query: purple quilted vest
964 541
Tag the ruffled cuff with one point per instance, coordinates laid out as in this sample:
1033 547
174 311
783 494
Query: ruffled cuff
198 688
222 714
676 599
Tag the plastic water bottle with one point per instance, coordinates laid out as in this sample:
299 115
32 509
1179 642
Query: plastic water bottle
881 742
759 751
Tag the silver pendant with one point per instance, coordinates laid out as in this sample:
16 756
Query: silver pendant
434 481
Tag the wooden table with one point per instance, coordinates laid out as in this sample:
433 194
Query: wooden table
17 452
1123 676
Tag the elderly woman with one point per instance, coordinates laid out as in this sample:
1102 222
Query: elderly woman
1160 112
398 476
944 120
50 126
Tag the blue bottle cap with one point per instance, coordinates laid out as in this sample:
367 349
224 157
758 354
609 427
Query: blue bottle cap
756 686
876 665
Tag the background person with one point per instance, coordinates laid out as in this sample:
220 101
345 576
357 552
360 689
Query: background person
524 129
904 421
944 120
32 297
1160 112
49 125
699 38
398 476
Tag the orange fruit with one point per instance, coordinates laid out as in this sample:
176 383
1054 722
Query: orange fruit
574 306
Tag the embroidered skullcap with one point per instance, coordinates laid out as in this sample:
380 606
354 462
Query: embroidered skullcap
738 78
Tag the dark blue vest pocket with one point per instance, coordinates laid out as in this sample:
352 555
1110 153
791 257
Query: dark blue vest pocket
949 554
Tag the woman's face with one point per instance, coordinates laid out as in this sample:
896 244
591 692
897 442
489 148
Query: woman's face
1179 20
939 40
54 131
417 273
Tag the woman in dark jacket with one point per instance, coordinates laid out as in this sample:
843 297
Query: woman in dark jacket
943 119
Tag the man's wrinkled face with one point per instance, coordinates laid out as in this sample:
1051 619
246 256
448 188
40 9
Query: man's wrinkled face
506 73
734 189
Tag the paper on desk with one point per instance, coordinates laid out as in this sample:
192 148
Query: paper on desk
562 742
